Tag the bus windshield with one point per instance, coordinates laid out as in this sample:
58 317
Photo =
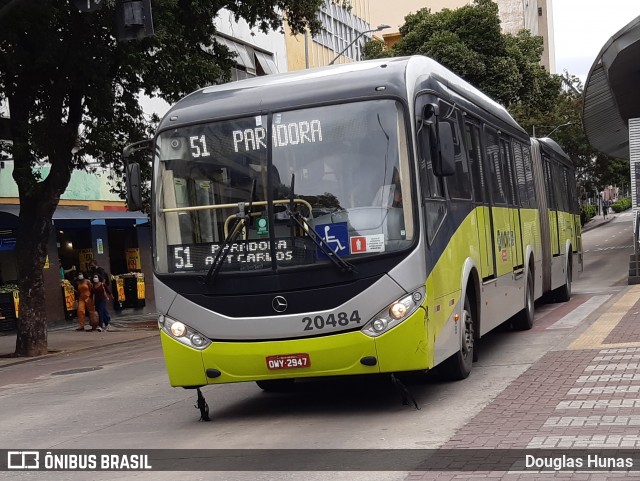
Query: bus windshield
352 187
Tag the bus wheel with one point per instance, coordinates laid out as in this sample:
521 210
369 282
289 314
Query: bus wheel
524 319
276 385
563 293
458 366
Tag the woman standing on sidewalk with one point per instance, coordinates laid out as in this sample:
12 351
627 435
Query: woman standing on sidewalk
101 293
84 292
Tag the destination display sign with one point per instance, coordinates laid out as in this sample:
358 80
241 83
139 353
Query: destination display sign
218 139
243 255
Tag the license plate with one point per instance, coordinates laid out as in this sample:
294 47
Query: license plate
288 361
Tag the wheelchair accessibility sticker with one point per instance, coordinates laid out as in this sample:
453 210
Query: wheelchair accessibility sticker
336 236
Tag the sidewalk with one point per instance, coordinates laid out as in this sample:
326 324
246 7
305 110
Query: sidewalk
597 221
583 395
63 338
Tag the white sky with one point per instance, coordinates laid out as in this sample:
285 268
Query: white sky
582 27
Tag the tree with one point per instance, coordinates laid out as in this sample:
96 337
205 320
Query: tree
563 120
469 42
72 92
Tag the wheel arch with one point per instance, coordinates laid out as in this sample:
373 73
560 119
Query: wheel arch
471 289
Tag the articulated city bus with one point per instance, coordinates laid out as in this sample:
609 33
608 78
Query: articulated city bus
373 217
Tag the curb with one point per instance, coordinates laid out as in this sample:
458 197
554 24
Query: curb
23 360
588 227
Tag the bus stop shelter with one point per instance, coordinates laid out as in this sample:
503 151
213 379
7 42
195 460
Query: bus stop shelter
611 115
612 94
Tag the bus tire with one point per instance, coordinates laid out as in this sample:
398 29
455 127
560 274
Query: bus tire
458 366
563 293
524 319
276 385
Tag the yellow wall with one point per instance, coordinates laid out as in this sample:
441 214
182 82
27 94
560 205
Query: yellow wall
89 204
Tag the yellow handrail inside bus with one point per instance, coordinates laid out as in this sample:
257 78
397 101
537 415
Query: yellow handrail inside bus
232 206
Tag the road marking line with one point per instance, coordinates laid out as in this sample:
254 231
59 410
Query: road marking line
596 334
576 316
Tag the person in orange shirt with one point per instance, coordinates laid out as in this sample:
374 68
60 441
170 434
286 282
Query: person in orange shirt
84 292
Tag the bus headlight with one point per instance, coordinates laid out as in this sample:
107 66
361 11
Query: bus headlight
183 333
178 329
394 314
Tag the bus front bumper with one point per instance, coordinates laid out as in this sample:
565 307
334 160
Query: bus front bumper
403 348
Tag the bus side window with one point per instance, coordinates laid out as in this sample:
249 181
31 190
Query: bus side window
474 152
507 170
528 176
520 175
548 177
458 184
496 175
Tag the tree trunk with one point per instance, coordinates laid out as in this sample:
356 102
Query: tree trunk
31 249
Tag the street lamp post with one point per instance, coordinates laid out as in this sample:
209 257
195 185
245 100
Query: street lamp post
379 28
556 128
561 125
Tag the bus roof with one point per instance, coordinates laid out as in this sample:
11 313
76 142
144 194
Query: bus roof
381 77
551 146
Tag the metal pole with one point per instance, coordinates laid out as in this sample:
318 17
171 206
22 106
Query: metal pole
306 49
380 27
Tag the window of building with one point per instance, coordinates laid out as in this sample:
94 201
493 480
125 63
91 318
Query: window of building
339 28
249 61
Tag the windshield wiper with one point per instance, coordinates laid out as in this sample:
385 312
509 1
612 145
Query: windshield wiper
317 239
242 220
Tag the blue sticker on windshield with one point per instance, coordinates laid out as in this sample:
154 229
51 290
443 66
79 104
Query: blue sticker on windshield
336 236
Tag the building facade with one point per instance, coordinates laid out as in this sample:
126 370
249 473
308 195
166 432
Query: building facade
342 29
515 15
257 53
90 222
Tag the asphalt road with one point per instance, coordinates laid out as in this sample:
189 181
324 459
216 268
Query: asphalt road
119 397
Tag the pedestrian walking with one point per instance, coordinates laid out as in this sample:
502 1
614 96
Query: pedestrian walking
101 293
605 208
84 294
95 269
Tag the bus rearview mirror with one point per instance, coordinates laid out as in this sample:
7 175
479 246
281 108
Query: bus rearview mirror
134 189
445 164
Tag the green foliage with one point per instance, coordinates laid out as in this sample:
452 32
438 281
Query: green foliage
73 96
375 49
469 41
507 67
61 69
563 121
621 204
590 211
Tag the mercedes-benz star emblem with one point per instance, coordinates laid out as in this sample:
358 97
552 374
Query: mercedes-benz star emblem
279 304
